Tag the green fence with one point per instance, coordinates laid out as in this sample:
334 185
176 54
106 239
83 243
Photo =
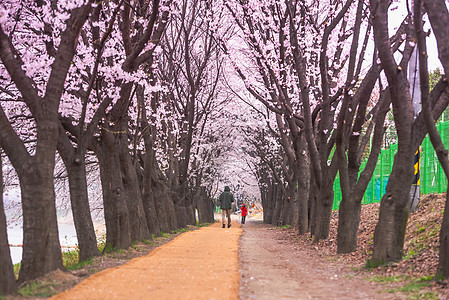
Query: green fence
432 180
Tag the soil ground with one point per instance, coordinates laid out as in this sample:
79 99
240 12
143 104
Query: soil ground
273 266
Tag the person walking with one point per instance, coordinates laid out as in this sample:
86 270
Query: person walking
225 202
244 211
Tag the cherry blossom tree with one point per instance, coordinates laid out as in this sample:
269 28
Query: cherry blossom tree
390 229
41 251
191 68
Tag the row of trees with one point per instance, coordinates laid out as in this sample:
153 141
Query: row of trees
145 91
133 90
330 77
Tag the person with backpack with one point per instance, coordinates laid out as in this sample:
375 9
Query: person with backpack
225 202
244 211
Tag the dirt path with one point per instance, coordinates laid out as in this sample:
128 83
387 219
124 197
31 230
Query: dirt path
273 266
214 263
201 264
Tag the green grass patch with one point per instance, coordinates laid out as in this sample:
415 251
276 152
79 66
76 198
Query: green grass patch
147 242
204 224
180 230
415 287
36 289
285 226
16 268
425 295
388 279
79 265
374 263
165 235
70 258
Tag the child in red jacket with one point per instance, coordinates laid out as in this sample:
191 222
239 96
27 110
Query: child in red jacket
244 213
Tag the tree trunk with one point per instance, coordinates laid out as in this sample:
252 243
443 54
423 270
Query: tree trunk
348 225
266 193
118 235
303 189
181 206
190 209
277 198
164 204
7 279
285 209
312 205
393 214
132 193
204 205
149 197
324 210
41 248
79 200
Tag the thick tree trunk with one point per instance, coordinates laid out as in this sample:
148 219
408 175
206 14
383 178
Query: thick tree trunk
312 205
116 215
278 200
266 198
324 210
150 190
286 209
181 206
295 206
41 248
7 279
205 206
303 188
132 192
164 205
394 211
79 200
348 225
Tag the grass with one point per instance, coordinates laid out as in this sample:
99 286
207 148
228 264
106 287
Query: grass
388 279
284 226
165 235
413 288
372 263
36 289
17 269
180 230
423 236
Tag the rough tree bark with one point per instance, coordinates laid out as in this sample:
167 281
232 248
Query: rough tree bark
75 164
116 214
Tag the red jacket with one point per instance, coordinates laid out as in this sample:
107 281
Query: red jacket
244 211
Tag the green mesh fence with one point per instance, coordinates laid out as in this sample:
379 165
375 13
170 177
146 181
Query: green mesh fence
432 178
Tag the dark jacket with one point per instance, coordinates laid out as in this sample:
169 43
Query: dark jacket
226 198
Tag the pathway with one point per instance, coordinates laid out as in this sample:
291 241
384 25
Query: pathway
216 263
200 264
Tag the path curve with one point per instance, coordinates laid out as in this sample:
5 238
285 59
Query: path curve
200 264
